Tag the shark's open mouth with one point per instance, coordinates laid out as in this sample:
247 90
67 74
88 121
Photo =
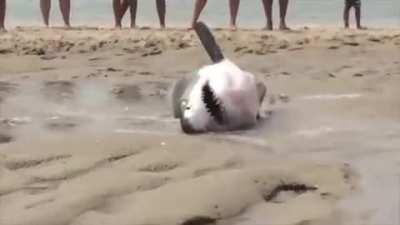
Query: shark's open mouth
213 104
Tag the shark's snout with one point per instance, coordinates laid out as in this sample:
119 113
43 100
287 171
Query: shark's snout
187 127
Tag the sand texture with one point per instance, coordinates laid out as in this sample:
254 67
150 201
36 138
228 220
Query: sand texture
87 135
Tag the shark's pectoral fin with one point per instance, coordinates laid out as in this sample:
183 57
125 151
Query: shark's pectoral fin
261 92
178 91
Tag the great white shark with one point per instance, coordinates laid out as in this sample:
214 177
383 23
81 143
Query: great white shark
219 97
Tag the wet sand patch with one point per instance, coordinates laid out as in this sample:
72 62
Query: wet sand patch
63 123
60 125
58 90
127 93
7 89
5 138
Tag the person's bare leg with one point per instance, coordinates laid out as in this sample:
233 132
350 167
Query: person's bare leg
358 17
161 9
283 5
45 6
268 13
119 7
346 12
117 13
198 8
2 14
65 7
234 8
132 5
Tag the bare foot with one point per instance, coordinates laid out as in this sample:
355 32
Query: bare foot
268 27
233 27
362 28
283 27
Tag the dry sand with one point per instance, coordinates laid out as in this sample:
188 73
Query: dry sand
87 136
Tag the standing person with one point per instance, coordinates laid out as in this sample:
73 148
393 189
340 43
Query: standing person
283 6
65 8
356 4
121 6
2 14
200 4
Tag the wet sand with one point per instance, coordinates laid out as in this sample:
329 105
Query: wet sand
87 134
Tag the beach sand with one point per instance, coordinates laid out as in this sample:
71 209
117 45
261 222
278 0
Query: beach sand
87 134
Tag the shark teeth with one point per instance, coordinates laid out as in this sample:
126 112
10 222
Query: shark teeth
213 104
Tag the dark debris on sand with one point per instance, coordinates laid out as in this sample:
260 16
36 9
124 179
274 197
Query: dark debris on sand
296 188
200 220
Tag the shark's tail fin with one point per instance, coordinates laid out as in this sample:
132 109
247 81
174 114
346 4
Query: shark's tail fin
208 42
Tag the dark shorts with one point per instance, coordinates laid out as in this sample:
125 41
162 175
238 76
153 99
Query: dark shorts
353 3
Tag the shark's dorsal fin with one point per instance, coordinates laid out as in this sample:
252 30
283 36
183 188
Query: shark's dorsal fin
208 42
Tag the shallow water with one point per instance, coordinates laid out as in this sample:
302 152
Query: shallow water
65 106
309 12
121 107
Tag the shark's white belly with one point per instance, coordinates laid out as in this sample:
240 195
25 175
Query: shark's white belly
236 89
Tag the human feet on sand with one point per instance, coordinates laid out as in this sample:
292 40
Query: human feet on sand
358 27
269 26
283 26
191 27
162 26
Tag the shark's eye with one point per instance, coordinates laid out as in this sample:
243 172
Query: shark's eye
184 105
